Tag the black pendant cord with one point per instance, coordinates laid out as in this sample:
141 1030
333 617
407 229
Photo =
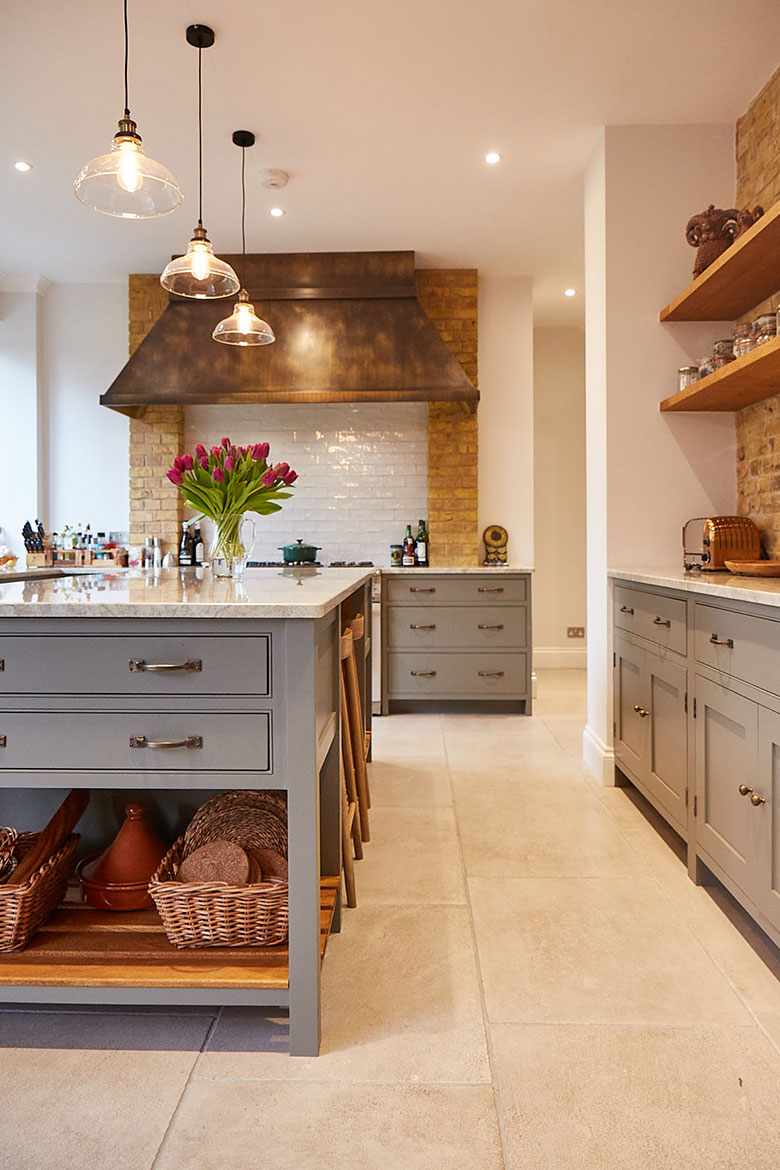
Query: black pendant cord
243 217
200 136
127 104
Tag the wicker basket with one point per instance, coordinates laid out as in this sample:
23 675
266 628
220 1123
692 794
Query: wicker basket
23 908
214 914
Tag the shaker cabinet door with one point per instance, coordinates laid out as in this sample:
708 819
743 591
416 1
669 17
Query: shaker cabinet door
767 815
727 827
667 753
631 726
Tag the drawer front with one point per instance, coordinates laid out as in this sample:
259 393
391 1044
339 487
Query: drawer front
453 627
742 646
465 590
660 619
63 740
453 676
122 665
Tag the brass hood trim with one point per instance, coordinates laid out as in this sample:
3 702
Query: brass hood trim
348 326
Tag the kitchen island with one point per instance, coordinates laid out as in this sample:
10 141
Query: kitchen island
250 698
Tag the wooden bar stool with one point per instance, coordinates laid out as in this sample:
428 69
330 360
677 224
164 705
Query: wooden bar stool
354 720
350 819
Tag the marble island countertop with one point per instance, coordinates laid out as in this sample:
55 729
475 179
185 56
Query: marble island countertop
730 586
189 593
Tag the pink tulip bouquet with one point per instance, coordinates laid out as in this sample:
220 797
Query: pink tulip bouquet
226 482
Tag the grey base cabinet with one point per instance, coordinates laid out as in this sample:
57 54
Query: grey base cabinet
697 730
456 638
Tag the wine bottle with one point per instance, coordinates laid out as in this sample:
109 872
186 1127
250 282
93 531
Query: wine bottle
421 545
185 547
408 559
199 551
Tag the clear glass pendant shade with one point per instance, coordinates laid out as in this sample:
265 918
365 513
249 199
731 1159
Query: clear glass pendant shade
200 273
125 182
243 326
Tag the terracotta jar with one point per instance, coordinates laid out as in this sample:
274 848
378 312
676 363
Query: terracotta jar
117 878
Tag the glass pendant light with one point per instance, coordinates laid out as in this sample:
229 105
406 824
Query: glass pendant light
200 273
125 182
243 326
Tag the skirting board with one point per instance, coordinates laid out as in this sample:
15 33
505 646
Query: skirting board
560 657
599 757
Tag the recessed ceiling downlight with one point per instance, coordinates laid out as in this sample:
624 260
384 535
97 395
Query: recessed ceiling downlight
22 166
492 157
276 212
570 292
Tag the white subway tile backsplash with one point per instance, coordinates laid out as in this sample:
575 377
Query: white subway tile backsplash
363 471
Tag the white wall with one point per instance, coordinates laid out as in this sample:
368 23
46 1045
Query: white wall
647 472
506 412
20 466
85 444
559 496
363 471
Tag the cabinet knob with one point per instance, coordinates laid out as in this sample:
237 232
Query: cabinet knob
756 800
744 790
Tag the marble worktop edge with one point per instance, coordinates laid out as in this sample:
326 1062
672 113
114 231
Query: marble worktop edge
174 593
729 586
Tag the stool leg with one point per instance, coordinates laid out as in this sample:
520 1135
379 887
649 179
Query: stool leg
347 863
356 732
349 777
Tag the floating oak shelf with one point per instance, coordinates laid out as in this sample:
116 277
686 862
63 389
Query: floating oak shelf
79 947
749 379
747 273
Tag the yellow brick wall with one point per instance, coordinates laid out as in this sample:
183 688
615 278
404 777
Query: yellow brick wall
155 438
758 427
449 298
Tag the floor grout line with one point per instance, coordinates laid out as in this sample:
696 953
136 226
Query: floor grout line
491 1057
187 1083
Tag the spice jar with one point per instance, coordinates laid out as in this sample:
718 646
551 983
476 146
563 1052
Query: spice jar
764 328
743 339
687 375
705 366
724 348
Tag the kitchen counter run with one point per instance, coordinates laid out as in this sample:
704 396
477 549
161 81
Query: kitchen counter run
730 586
189 593
398 570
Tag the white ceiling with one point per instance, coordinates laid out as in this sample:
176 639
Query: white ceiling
381 112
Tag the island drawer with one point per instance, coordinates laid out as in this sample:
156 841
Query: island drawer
467 676
81 741
453 627
653 616
740 645
131 664
456 589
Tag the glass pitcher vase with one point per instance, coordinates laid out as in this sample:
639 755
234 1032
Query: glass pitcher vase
231 544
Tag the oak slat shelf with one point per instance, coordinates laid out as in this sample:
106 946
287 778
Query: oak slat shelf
79 947
749 379
744 275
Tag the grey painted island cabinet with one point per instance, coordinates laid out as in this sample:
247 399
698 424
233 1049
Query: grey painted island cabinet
167 689
696 674
456 637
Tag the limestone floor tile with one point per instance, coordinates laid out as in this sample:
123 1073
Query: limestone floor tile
240 1126
566 730
400 1002
412 857
543 833
593 950
395 783
75 1109
496 782
625 1098
408 737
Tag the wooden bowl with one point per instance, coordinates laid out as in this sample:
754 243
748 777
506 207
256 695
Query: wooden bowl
754 568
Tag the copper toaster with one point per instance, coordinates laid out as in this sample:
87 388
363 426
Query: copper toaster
720 539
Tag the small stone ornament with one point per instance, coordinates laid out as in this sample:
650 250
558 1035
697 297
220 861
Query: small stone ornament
496 539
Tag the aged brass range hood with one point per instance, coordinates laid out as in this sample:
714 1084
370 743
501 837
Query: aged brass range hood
348 326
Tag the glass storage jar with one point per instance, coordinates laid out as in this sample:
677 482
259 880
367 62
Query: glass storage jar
765 328
686 376
743 339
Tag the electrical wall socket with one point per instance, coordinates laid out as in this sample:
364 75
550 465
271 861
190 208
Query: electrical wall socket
575 631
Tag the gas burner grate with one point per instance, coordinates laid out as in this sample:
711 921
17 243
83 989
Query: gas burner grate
282 564
351 565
